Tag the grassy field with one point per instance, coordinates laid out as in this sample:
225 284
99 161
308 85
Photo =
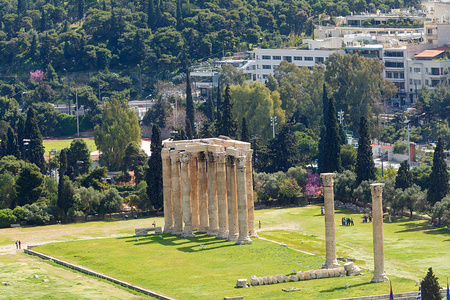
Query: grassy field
61 144
180 268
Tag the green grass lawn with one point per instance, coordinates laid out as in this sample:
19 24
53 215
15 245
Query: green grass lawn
61 144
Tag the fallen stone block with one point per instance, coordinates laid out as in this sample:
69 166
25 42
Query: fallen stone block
253 280
285 278
242 283
300 275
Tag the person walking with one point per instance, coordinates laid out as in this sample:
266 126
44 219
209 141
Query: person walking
17 244
351 222
20 245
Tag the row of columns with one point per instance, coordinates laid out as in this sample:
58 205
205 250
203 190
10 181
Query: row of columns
377 221
209 192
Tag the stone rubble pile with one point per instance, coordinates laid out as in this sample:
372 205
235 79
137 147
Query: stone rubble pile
352 206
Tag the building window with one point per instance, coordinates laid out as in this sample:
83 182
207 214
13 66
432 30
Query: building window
410 70
308 58
426 82
264 76
417 82
266 57
276 57
410 81
388 75
393 54
297 58
435 71
426 71
267 67
435 82
393 64
287 58
310 68
416 70
319 60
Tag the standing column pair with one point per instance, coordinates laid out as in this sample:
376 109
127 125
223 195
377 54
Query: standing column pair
167 190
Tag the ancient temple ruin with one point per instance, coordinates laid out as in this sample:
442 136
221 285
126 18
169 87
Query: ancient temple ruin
208 187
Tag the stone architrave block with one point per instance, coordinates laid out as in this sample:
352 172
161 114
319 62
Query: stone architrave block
266 280
273 280
253 280
348 266
300 275
341 272
322 273
285 278
311 274
352 269
242 283
293 278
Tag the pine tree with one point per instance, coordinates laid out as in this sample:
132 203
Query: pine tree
227 126
439 176
404 178
430 287
365 167
154 172
190 111
332 145
245 135
35 148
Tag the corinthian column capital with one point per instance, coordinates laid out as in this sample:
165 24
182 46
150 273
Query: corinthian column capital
377 189
327 178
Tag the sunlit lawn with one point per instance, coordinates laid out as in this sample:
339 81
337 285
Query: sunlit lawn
178 267
61 144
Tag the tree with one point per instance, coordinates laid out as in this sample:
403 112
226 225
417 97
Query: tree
348 157
34 151
110 202
89 200
430 286
403 180
78 158
12 147
365 167
29 185
65 190
135 159
154 172
283 150
119 127
245 135
7 190
94 179
9 110
439 177
189 108
157 113
227 125
332 146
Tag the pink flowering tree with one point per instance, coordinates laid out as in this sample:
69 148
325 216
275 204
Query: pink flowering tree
313 186
37 76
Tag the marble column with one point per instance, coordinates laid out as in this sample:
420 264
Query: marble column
186 194
222 195
176 193
202 193
250 202
194 190
167 190
378 239
242 201
233 232
213 214
330 234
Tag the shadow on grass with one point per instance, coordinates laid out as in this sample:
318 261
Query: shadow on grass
344 288
425 226
168 239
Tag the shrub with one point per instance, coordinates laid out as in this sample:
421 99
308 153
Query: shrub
37 214
7 218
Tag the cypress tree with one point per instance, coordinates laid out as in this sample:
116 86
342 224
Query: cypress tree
65 190
182 135
35 147
245 135
80 9
439 176
365 167
283 150
404 178
154 172
227 126
190 111
332 146
34 47
321 146
12 148
3 146
151 14
430 287
180 24
21 136
210 108
218 105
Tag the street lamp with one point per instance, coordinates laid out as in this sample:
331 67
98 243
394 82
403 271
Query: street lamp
140 81
146 98
273 122
78 113
197 126
67 90
26 142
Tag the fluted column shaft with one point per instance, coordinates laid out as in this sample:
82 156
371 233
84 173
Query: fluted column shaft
378 238
176 193
212 195
222 195
202 193
194 190
330 233
250 202
233 232
186 195
167 190
242 201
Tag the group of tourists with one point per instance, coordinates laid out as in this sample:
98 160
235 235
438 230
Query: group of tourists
347 221
18 245
367 218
